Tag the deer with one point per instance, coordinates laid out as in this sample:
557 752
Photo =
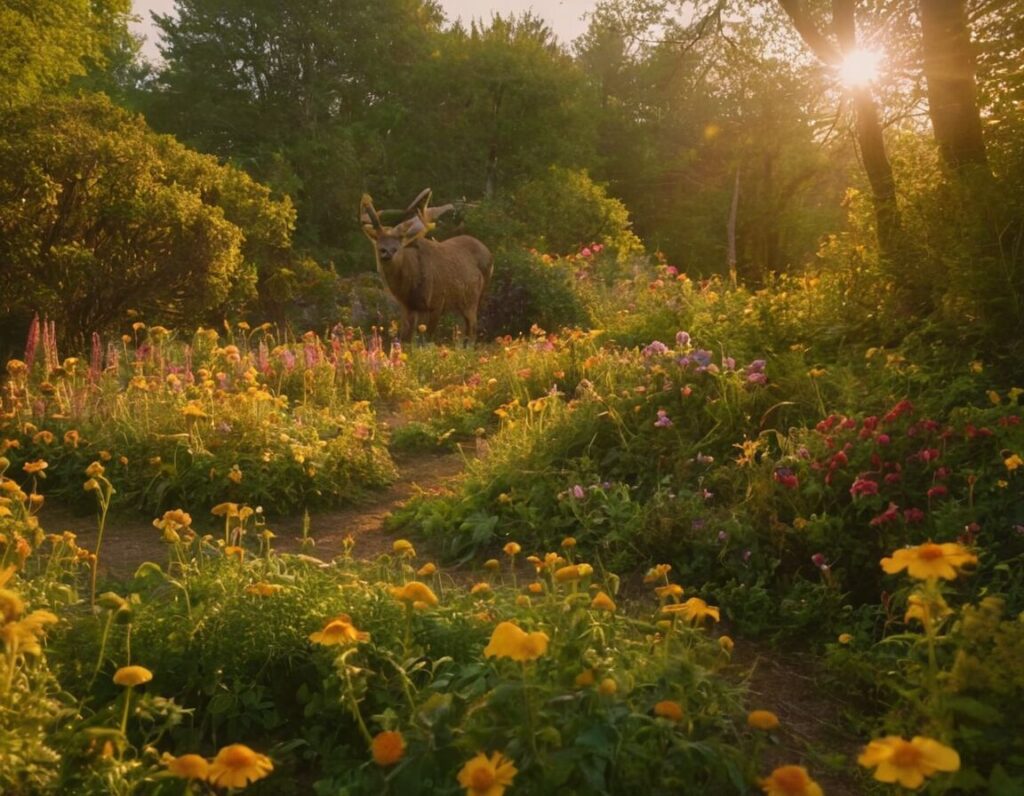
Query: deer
426 277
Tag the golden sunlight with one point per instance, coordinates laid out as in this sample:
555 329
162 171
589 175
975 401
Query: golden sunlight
859 68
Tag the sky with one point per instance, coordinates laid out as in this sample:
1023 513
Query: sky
563 16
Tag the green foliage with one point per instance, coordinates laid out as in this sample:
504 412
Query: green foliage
48 42
99 215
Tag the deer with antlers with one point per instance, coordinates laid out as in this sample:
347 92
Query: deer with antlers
426 277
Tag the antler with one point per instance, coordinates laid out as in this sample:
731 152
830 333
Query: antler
367 214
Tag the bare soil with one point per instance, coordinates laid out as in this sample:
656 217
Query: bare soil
130 539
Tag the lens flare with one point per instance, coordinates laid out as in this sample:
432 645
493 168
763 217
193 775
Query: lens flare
860 68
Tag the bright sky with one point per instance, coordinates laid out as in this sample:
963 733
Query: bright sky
564 16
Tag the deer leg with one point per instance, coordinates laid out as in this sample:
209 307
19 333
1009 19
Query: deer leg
433 318
470 318
406 325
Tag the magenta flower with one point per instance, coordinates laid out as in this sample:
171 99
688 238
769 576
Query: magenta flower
663 421
891 514
913 516
786 477
863 486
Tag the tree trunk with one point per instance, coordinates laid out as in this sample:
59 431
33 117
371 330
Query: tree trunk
730 256
952 91
870 140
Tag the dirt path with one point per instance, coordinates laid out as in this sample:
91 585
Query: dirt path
810 732
130 540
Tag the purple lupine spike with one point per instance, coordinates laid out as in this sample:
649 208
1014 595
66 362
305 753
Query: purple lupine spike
32 343
96 358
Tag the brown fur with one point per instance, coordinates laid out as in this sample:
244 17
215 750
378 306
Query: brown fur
428 278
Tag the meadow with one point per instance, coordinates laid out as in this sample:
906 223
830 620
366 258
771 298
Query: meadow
690 476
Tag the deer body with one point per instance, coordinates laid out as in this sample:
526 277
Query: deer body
428 278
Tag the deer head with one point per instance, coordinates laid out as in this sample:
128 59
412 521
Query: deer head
389 241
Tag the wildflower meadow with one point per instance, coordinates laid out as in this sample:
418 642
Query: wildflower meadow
599 398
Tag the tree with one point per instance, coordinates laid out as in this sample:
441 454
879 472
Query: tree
48 42
99 215
300 94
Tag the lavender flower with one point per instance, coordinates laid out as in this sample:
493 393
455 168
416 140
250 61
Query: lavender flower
682 339
655 348
663 421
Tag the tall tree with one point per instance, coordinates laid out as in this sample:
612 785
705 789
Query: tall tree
952 92
48 42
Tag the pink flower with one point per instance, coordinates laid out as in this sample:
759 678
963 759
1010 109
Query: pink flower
786 477
882 439
586 253
938 490
889 515
863 486
913 516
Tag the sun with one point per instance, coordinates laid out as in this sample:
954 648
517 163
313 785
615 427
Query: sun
859 68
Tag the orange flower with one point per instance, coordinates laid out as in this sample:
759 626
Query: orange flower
510 641
694 610
929 561
656 573
671 590
790 781
762 720
387 748
668 709
487 776
512 549
339 631
585 678
130 676
603 602
35 467
414 592
237 765
427 570
187 766
908 762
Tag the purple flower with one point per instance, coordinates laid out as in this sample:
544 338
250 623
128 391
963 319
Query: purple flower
663 421
728 363
757 378
702 357
655 348
682 339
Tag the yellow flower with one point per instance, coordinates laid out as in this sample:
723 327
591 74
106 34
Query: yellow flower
387 748
225 510
23 637
234 550
585 678
845 638
403 547
568 541
726 643
926 608
762 720
536 587
492 564
34 467
480 588
671 590
510 641
487 776
929 561
264 589
1013 462
426 570
523 601
607 687
512 549
790 781
573 572
235 474
668 709
656 573
11 604
603 602
237 765
339 631
908 762
130 676
414 592
187 766
694 610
